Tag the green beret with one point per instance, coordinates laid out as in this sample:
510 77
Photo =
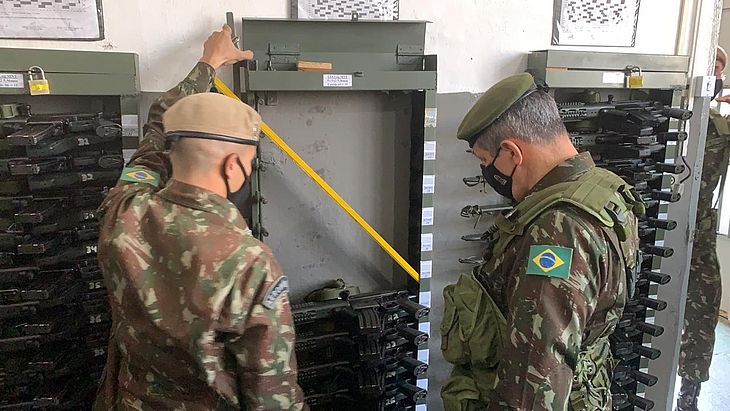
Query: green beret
492 104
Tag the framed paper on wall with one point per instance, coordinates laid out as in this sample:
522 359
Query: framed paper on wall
603 23
344 9
51 19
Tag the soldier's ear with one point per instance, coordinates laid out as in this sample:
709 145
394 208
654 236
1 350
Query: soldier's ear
513 149
230 167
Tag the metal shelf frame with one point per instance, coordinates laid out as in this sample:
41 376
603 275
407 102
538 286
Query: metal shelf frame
665 76
371 56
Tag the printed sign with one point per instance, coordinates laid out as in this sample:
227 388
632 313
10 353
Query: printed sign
337 80
11 80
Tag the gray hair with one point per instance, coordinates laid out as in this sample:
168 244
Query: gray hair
534 119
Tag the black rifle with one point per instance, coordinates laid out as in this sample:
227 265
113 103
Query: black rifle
41 128
66 143
71 179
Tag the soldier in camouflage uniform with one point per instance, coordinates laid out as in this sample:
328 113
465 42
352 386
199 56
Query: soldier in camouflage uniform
528 330
704 290
201 316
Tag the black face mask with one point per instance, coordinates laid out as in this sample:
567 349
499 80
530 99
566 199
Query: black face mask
500 182
241 197
718 86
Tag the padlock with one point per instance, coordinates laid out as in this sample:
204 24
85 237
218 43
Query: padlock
635 80
38 87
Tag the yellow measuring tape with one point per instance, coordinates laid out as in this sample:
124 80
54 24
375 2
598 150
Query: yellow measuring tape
221 86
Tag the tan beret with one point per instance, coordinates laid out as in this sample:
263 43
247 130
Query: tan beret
721 55
212 116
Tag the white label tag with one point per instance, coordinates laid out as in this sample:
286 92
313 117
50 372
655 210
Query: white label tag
427 216
613 78
426 269
423 356
424 298
130 125
425 327
337 80
11 80
431 118
429 150
429 184
427 242
422 384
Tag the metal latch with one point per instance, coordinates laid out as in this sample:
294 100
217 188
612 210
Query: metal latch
281 53
408 54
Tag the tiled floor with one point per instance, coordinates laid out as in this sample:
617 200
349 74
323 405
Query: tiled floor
715 394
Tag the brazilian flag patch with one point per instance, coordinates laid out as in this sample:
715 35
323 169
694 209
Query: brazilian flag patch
140 175
549 261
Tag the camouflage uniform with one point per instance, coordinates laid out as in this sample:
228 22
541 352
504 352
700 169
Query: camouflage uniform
552 323
201 317
705 289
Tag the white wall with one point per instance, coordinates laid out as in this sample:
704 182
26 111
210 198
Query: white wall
478 41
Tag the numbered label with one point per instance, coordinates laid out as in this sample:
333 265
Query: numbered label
83 141
95 285
91 248
95 319
87 177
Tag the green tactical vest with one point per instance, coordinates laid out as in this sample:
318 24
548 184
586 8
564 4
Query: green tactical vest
473 328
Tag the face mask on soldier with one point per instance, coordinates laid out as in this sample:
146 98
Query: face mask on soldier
718 85
500 182
239 198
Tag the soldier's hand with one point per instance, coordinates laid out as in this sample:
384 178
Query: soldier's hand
219 49
723 99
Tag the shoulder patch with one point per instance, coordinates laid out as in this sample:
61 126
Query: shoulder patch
549 261
140 175
277 289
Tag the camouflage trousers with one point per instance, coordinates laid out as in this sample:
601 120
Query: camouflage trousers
703 304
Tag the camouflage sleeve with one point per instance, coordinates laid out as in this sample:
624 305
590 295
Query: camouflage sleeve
264 346
151 156
547 314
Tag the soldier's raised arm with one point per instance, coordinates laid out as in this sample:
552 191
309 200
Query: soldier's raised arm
150 164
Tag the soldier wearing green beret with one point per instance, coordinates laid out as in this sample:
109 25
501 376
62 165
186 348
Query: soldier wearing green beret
529 329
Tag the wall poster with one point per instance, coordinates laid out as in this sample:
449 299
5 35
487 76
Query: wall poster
51 19
604 23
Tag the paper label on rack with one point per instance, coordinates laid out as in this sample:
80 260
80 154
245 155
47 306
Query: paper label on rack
337 80
424 298
613 78
423 356
130 125
429 150
429 184
431 118
427 242
422 384
422 407
426 268
427 216
11 80
425 327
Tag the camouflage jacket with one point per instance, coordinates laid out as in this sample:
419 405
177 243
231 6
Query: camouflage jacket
551 320
201 316
715 163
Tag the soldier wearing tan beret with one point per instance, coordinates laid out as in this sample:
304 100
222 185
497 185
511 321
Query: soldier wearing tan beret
201 316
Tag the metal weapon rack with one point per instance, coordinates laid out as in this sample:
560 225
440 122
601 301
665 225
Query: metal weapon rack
623 108
59 153
376 355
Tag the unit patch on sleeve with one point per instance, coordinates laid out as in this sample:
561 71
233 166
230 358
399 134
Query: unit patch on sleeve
140 175
278 288
549 261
